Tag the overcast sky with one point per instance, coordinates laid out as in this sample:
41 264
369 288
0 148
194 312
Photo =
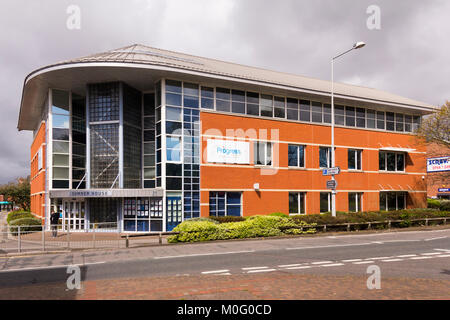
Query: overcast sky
408 55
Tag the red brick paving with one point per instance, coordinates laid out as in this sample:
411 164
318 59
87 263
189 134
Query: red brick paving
276 285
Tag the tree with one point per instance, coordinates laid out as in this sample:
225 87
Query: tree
18 192
436 127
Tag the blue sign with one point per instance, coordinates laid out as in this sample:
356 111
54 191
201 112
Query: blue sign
444 190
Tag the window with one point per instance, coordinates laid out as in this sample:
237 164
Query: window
316 112
327 113
371 122
390 201
296 156
292 109
325 202
390 125
325 157
266 106
223 99
354 159
391 161
263 153
224 204
349 116
360 117
416 123
190 95
238 101
253 103
297 202
305 110
207 97
279 107
61 134
173 146
339 115
408 123
380 120
399 122
354 202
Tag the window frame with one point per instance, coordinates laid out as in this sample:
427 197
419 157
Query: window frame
358 159
298 147
358 201
329 158
301 203
225 203
395 161
266 148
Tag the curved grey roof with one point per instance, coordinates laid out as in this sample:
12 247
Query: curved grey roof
140 55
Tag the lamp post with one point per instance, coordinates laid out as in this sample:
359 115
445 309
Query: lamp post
357 45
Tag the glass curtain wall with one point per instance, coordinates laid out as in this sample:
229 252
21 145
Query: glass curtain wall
104 109
132 137
149 135
78 141
182 121
61 139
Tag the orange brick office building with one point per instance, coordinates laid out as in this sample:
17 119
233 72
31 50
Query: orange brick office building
144 138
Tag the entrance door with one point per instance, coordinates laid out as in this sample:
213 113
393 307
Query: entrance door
74 215
174 212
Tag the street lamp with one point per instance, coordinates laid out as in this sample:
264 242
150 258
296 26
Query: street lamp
357 45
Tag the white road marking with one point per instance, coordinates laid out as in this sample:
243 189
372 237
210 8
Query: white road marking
322 262
203 254
351 260
331 246
392 260
420 258
290 265
431 253
406 240
332 265
302 267
437 238
262 270
445 250
444 256
407 256
363 262
254 268
215 271
377 258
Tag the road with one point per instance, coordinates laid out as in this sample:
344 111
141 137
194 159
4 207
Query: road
407 256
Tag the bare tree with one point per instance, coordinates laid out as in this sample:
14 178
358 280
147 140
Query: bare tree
436 127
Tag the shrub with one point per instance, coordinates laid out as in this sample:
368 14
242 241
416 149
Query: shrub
26 225
433 203
445 206
202 219
226 219
360 217
279 214
18 214
252 227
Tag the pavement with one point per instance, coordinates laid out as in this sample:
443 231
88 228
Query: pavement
412 264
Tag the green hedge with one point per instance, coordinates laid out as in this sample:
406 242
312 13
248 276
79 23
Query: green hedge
359 217
18 214
251 227
26 225
227 219
443 205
